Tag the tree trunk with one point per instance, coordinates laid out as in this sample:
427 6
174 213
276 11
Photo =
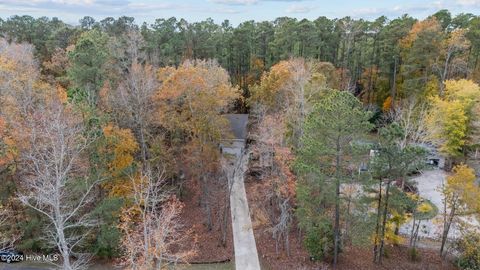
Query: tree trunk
225 218
370 79
446 230
287 243
413 230
444 75
393 91
146 241
384 222
62 242
337 207
415 238
347 221
377 225
143 144
206 202
64 248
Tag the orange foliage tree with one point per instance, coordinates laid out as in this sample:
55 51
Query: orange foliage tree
431 24
119 149
191 101
275 158
289 88
7 152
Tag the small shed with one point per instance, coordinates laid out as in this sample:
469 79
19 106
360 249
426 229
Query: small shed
433 157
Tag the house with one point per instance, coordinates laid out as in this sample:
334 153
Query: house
433 158
238 125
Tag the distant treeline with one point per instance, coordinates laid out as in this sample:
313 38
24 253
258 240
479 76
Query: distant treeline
368 53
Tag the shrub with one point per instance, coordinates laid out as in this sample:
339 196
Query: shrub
319 241
413 254
469 250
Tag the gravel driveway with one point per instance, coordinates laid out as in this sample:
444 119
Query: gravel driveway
429 185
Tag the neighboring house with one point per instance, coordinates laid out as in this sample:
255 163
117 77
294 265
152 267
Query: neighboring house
433 158
238 125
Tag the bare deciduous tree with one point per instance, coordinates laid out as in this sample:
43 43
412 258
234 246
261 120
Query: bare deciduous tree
273 158
453 58
56 180
153 235
18 79
134 102
411 116
282 227
50 140
6 240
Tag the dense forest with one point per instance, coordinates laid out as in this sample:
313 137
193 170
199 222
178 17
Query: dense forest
109 128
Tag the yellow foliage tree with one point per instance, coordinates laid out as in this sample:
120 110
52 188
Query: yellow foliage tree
423 210
119 149
453 58
448 126
391 226
468 249
461 195
192 98
432 87
463 90
7 146
461 190
269 91
452 118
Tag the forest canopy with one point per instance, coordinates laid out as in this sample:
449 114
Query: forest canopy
110 131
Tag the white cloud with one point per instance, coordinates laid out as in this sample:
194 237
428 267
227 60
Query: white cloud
438 4
469 2
369 11
72 2
86 7
65 4
248 2
138 6
298 9
235 2
398 10
227 11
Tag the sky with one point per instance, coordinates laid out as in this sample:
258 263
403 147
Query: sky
236 11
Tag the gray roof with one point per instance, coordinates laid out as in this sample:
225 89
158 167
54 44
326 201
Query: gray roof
238 124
